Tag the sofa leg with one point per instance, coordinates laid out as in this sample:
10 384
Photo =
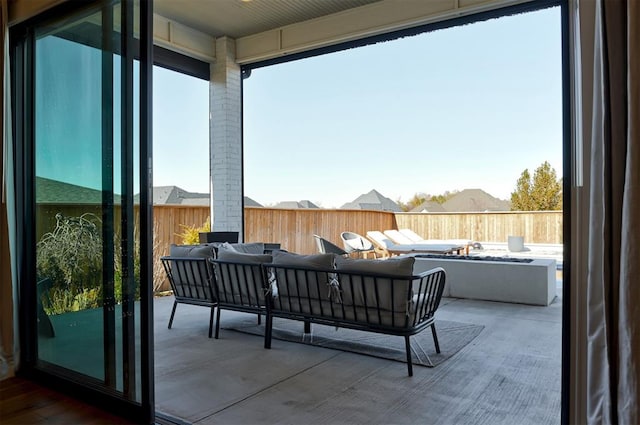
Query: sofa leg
213 309
173 311
218 323
407 345
435 337
267 331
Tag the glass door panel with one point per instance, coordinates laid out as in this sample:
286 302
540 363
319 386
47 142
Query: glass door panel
89 257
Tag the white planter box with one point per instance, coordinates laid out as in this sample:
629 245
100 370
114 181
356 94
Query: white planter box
514 282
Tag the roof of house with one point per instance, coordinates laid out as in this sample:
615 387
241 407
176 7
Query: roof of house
372 200
170 195
248 202
470 200
174 195
295 204
428 206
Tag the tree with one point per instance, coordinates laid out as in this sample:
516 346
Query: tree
419 198
542 193
416 200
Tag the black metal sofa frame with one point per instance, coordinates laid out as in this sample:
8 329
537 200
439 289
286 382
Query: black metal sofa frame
192 283
387 304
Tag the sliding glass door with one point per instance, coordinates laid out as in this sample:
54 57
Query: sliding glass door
86 76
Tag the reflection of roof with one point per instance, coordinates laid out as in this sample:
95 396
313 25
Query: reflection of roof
470 200
428 206
372 201
295 204
56 192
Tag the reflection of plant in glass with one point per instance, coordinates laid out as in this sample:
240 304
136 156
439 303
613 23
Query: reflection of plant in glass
71 256
118 266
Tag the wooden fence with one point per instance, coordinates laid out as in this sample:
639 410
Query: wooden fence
536 226
294 228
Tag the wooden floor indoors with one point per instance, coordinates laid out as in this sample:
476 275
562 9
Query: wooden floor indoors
24 402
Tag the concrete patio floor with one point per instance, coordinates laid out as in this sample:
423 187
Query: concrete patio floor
509 374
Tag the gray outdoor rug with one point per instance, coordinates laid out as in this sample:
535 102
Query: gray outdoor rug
453 336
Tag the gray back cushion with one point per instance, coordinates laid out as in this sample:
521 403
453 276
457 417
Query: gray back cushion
191 278
194 251
249 248
383 292
297 283
241 257
244 284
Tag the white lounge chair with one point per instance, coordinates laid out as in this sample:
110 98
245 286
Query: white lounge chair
384 243
412 236
400 238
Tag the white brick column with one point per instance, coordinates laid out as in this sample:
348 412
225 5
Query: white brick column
225 139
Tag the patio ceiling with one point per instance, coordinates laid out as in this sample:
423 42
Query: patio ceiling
240 18
266 29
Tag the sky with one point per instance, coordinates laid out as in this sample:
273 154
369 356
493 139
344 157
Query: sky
466 107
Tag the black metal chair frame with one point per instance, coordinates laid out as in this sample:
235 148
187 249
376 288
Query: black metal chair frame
326 247
240 287
191 280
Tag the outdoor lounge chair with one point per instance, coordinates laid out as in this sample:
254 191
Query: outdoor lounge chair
326 247
353 242
400 238
416 238
386 244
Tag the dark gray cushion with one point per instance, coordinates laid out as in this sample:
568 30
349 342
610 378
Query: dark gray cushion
392 294
398 266
298 283
193 251
241 257
249 248
315 261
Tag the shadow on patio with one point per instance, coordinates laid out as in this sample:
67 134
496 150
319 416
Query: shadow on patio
510 373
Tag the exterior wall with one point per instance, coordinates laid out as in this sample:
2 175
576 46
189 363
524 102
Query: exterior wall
226 139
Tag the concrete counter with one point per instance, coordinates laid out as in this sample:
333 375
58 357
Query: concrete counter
505 281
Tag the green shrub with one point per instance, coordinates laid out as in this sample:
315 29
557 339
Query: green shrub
191 234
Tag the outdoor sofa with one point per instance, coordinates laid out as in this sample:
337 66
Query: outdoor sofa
382 296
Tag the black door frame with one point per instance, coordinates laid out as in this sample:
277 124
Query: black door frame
22 61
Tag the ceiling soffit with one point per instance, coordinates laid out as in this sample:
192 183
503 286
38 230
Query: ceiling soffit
237 18
268 29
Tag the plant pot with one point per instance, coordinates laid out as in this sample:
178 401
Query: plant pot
515 243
